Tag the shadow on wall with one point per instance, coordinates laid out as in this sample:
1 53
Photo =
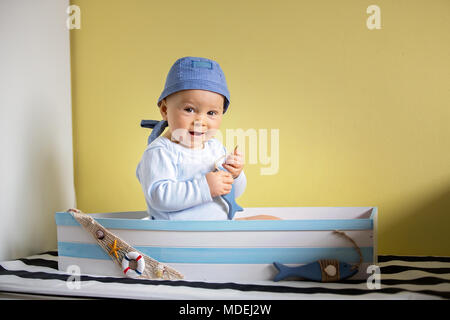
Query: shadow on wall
421 227
42 177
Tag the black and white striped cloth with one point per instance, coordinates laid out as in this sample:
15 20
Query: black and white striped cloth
402 277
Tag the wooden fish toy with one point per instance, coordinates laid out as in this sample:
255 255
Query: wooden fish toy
324 270
229 198
232 205
134 264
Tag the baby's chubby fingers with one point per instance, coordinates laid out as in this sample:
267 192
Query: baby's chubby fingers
234 160
234 171
230 168
219 182
226 176
223 173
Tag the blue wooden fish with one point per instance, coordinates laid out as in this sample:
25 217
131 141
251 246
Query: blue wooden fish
230 199
327 270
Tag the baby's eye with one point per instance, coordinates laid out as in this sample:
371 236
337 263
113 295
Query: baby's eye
212 113
188 109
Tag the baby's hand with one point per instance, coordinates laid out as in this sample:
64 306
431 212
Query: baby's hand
219 182
234 163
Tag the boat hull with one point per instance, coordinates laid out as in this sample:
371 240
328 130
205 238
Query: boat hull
238 250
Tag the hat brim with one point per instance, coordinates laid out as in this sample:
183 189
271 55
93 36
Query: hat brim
200 85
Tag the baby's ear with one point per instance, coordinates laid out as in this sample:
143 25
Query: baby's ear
163 109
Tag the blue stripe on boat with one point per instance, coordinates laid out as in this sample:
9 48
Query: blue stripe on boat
66 219
224 255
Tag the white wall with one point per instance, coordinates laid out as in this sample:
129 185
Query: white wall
36 157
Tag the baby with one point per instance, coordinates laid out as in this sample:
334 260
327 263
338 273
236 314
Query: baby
177 170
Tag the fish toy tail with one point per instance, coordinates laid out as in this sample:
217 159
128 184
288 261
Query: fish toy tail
283 271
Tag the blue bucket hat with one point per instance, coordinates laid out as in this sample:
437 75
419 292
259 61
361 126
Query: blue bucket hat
196 73
190 73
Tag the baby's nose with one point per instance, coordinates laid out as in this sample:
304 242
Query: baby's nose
198 123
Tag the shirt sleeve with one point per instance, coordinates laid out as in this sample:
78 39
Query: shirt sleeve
157 174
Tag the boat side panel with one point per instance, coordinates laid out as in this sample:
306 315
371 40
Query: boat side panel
64 218
194 271
364 238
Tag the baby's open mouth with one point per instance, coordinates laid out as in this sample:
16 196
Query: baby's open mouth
194 133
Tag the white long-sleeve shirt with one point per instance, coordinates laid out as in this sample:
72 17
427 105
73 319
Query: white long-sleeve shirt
173 178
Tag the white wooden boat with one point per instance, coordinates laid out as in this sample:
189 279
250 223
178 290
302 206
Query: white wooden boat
237 250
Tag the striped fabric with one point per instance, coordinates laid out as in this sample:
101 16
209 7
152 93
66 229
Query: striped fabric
402 277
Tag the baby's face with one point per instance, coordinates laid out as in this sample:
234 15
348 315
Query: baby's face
194 116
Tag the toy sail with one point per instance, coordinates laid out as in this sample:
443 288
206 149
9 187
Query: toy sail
134 264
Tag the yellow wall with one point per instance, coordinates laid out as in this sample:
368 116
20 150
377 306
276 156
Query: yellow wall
363 114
